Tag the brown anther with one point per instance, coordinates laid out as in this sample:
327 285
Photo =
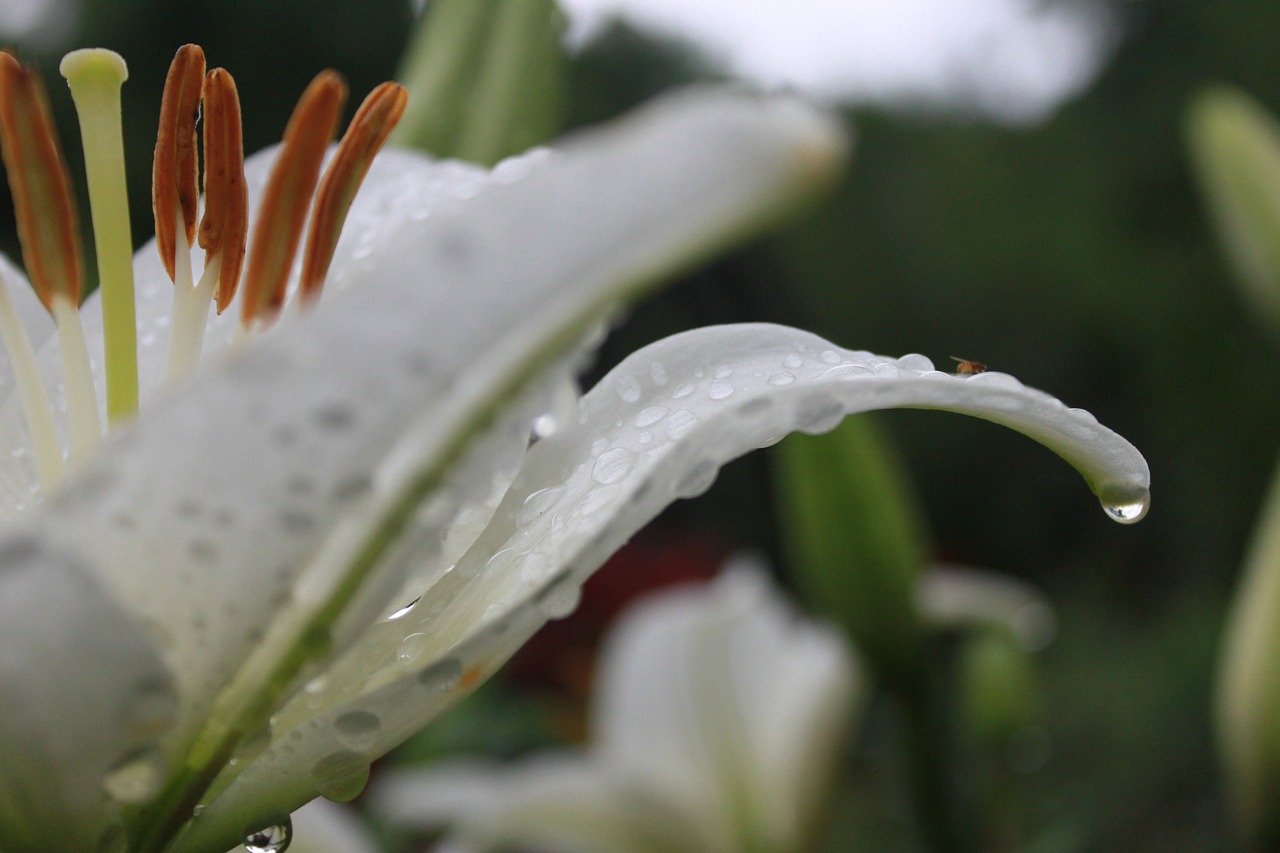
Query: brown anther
226 202
47 222
287 196
176 170
369 129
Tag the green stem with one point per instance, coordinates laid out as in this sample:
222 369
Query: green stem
95 76
948 814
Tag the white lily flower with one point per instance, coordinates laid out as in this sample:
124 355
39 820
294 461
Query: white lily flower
717 719
208 622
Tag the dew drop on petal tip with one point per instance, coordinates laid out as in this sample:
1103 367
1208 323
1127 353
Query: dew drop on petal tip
1130 511
270 839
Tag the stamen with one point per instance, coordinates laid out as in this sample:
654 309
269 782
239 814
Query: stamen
49 235
47 224
95 77
175 175
35 400
223 227
369 129
287 196
226 201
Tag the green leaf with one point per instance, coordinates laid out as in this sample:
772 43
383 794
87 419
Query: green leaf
1235 152
485 79
854 536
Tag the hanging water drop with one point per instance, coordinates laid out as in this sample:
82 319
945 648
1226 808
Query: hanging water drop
1128 512
270 839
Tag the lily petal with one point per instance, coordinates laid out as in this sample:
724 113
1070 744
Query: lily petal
311 453
656 428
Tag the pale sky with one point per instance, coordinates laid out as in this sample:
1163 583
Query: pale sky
1014 60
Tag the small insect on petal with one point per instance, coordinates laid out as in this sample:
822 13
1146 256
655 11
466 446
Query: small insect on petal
287 196
968 368
225 225
373 123
47 222
176 171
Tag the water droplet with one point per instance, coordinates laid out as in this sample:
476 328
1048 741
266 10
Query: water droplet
724 371
915 361
412 647
697 479
534 567
819 415
560 599
720 389
682 390
792 361
650 416
628 389
404 611
443 676
357 730
270 839
539 502
830 356
253 744
680 423
612 466
545 426
135 778
658 373
782 377
340 776
1129 511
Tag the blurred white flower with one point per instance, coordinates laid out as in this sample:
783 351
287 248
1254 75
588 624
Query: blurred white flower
717 719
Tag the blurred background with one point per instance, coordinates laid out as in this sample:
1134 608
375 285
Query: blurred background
1020 196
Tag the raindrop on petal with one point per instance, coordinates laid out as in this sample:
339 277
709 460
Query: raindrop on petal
270 839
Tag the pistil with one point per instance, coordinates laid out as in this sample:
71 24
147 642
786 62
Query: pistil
95 76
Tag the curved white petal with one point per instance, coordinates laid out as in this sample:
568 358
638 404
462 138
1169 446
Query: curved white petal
659 426
244 518
554 802
656 428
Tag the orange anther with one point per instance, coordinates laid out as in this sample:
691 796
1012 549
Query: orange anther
287 196
42 200
226 205
176 170
373 123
